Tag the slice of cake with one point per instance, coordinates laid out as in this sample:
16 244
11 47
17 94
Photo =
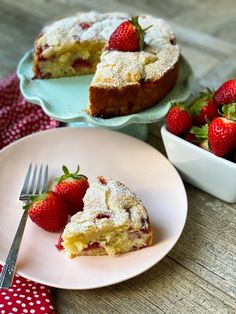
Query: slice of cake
73 45
124 82
114 221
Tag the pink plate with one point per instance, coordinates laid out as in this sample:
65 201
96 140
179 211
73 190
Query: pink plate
98 152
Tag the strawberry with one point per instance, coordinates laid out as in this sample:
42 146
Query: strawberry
222 131
80 63
226 93
59 245
48 211
204 109
178 119
84 25
72 187
222 136
128 36
190 137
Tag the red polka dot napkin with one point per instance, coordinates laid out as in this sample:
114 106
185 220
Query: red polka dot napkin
19 118
26 296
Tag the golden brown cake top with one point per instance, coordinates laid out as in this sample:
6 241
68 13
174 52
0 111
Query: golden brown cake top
108 205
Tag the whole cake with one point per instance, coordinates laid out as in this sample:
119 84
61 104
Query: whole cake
113 221
126 80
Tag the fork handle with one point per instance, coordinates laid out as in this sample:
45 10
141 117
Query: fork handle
8 269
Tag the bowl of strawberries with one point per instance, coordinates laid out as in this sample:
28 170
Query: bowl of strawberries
200 141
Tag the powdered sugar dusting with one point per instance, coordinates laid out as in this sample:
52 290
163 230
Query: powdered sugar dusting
116 68
123 209
69 30
159 35
120 69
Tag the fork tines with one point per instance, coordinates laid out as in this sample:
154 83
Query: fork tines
35 181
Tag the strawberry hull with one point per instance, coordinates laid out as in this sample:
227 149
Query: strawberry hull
210 173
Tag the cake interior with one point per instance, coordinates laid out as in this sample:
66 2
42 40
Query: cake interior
106 242
79 58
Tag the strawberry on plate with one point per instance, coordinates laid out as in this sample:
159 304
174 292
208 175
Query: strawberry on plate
226 93
48 211
72 187
128 36
178 119
222 131
204 108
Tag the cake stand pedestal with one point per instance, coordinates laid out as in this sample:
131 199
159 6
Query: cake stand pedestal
139 131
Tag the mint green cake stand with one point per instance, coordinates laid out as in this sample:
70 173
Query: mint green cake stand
66 99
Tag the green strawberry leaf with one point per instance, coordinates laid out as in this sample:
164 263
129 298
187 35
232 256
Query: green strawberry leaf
68 175
65 170
200 132
196 107
179 105
135 22
35 199
200 102
77 170
229 111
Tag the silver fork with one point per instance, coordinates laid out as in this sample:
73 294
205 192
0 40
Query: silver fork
30 187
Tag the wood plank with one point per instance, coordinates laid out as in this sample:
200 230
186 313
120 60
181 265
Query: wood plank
213 17
167 288
199 251
17 36
224 71
178 290
106 300
203 41
73 302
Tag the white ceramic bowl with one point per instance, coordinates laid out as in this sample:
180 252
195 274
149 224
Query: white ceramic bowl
201 168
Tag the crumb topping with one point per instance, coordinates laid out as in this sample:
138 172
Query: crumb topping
110 206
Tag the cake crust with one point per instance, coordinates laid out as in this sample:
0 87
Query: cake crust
108 102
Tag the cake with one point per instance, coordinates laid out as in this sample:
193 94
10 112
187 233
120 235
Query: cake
114 221
124 82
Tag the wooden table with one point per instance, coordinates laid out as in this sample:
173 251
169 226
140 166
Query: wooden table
199 274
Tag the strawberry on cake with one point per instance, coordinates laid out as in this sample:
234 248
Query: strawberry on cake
113 221
135 61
